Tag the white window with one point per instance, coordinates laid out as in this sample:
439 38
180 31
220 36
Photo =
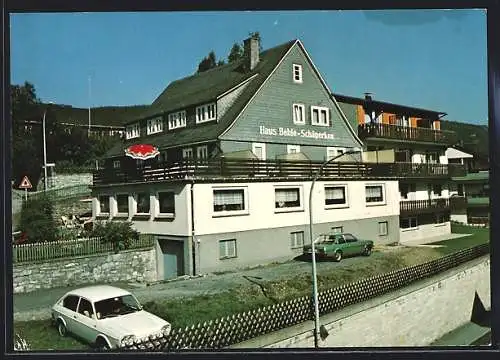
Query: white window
116 164
331 152
143 203
177 120
259 150
166 203
408 223
122 204
383 228
155 125
287 198
227 249
132 131
335 196
320 116
337 229
202 152
297 73
187 153
205 113
374 194
292 149
230 201
296 239
299 114
103 204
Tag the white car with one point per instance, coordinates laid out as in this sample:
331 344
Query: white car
106 317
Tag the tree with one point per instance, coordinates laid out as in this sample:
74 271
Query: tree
208 62
37 220
26 149
236 53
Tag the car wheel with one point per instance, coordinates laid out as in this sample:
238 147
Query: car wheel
101 344
367 251
61 328
337 256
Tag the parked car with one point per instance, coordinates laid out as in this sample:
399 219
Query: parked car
105 317
337 246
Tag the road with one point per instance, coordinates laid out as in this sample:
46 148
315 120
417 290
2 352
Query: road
36 305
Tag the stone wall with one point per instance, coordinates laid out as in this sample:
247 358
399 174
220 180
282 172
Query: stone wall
129 265
416 315
71 207
64 180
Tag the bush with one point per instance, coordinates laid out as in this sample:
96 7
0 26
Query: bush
119 233
37 220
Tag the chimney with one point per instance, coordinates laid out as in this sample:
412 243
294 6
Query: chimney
251 52
368 96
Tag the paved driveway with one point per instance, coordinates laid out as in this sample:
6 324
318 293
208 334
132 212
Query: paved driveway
36 305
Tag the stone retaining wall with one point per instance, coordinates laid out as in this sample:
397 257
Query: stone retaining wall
130 265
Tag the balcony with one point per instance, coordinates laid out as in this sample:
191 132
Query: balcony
412 207
405 133
247 169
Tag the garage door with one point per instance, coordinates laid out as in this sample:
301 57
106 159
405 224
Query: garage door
173 258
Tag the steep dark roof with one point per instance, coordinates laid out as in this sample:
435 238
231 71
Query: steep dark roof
390 107
202 88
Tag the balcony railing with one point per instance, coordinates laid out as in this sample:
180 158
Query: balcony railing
249 168
406 133
407 207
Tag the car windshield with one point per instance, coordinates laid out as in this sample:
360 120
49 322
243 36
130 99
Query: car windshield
116 306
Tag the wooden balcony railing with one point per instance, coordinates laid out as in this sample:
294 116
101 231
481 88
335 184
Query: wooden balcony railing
250 168
406 133
407 207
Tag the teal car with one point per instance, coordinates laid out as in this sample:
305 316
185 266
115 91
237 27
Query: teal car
338 246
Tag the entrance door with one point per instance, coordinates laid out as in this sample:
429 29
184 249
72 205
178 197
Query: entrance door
173 258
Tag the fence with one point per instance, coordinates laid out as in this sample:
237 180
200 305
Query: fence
244 326
71 248
64 193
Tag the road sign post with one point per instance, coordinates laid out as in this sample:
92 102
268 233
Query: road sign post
25 184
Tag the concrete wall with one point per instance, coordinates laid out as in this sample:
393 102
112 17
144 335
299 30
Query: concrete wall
424 231
416 315
130 265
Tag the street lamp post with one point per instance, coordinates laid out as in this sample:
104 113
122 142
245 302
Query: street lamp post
45 149
313 249
44 153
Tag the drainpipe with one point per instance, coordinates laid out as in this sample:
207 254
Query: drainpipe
193 239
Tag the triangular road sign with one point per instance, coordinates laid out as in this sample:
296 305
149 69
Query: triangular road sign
25 183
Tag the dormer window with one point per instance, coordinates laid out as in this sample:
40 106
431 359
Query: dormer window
205 113
133 131
297 73
155 125
177 120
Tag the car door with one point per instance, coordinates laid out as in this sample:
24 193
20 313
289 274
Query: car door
85 321
68 311
355 247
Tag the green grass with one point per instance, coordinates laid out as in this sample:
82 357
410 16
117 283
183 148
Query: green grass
41 335
478 236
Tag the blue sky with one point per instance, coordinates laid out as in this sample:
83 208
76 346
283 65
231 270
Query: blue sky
425 58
